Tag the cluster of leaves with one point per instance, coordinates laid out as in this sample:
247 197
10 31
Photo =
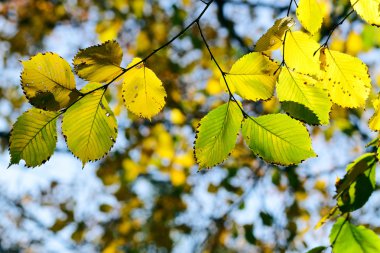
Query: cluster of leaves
308 81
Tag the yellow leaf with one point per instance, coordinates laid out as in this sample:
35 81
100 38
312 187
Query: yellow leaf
100 63
346 79
310 15
299 53
213 86
374 121
354 43
253 77
177 177
369 10
48 82
272 39
143 93
301 89
108 29
177 117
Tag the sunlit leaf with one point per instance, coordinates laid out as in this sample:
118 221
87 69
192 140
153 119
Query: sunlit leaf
143 93
33 137
277 138
374 121
216 134
346 79
89 126
347 238
272 39
100 63
302 89
48 82
310 15
252 77
369 10
299 53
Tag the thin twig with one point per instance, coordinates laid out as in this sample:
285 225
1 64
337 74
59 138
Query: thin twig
232 98
334 28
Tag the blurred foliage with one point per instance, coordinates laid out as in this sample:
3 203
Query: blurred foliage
228 209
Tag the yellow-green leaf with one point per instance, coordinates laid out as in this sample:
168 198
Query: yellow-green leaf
374 121
216 134
252 77
272 39
310 15
100 63
303 90
89 126
33 137
299 53
143 93
346 79
347 238
369 10
277 138
48 82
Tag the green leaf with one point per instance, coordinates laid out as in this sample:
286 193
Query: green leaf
369 10
358 184
48 82
346 79
310 15
354 169
252 77
216 134
303 90
299 53
89 126
33 137
100 63
277 138
319 249
347 238
143 93
272 39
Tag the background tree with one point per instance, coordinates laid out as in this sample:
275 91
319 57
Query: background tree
147 194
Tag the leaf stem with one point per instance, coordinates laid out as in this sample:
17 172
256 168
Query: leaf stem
335 27
231 98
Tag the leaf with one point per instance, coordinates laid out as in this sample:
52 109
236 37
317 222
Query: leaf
272 39
347 238
100 63
277 138
346 79
354 169
143 93
48 82
216 134
299 53
302 89
369 10
252 77
33 137
319 249
358 184
89 126
374 121
310 15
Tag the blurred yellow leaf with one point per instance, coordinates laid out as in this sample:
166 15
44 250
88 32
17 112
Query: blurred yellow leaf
108 29
354 44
